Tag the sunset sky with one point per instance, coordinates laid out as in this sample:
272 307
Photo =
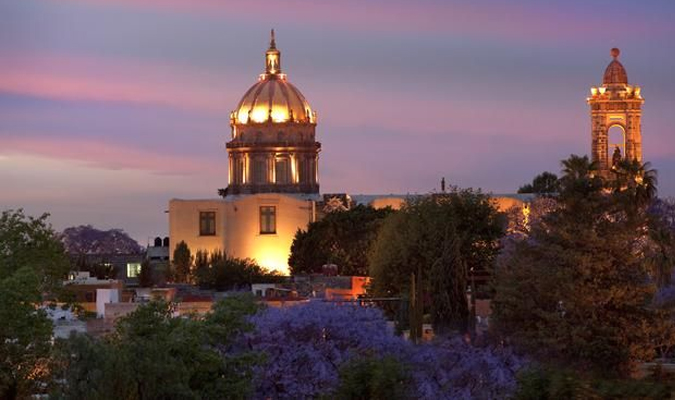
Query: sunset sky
109 108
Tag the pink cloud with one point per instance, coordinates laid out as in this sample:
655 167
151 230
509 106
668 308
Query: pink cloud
56 76
505 20
343 104
108 156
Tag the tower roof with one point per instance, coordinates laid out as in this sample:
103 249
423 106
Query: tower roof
615 73
273 98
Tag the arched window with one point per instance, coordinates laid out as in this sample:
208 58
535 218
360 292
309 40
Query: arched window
616 144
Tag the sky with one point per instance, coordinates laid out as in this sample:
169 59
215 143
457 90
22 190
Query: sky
109 108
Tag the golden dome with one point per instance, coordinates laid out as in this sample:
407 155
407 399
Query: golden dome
273 98
615 72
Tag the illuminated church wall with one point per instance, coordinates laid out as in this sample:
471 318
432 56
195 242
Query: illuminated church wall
185 218
245 235
273 160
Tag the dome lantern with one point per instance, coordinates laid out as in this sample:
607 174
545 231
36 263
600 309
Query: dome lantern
273 99
272 57
615 74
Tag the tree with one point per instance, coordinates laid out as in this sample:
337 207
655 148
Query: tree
661 248
635 183
439 238
182 262
27 241
25 334
153 355
221 272
448 285
373 378
85 239
576 288
546 182
319 349
145 277
341 237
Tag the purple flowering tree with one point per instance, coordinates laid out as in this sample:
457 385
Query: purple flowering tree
304 347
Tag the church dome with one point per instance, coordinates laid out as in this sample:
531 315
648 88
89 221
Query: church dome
273 98
615 72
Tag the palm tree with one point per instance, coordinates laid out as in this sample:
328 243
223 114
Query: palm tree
579 176
577 167
637 181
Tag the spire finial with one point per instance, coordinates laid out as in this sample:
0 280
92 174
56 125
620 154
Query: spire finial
272 57
615 52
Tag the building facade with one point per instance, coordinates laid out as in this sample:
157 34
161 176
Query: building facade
273 178
616 112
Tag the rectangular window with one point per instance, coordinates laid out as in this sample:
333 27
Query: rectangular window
282 171
207 223
268 220
302 170
260 171
238 170
133 270
311 170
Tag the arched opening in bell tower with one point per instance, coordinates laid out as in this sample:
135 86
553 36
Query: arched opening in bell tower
616 144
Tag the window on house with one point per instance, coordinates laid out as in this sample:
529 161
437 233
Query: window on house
268 220
207 223
133 270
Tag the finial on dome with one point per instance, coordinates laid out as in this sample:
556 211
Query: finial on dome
615 52
272 57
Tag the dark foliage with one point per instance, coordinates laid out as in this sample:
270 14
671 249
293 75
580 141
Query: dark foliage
220 272
546 182
146 276
27 241
182 263
341 237
439 238
576 289
155 356
373 378
554 384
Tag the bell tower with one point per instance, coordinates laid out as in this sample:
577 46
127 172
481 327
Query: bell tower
616 110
